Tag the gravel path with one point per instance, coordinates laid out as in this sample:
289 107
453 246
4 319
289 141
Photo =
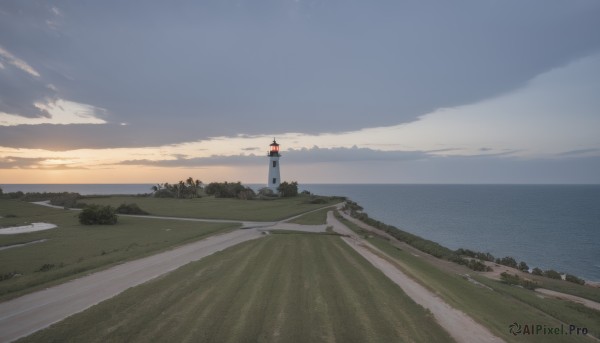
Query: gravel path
22 316
459 325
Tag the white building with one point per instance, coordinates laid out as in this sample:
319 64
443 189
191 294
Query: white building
274 175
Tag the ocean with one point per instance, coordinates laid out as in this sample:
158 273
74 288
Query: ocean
547 226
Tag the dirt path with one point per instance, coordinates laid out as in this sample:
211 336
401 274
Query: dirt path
27 314
459 325
585 302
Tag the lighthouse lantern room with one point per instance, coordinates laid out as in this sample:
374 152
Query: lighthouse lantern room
274 175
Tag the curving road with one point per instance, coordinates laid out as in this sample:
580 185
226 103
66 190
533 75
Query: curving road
22 316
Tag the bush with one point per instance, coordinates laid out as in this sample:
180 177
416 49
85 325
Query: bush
227 190
537 271
98 215
507 261
317 200
516 280
552 274
67 200
130 209
164 193
574 279
478 266
523 267
46 267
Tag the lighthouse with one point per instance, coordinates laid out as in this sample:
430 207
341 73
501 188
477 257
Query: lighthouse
274 176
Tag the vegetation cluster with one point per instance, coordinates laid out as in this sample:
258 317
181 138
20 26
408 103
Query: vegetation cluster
475 259
132 208
98 215
65 199
230 190
187 189
514 279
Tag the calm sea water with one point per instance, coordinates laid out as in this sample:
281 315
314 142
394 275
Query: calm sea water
547 226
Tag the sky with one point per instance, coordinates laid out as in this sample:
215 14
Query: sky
420 91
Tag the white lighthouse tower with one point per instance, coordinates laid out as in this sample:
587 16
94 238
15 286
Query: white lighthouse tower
274 176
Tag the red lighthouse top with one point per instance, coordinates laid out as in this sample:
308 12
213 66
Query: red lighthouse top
274 148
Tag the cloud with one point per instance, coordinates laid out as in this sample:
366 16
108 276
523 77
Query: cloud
61 112
579 152
14 162
222 70
20 64
19 162
290 157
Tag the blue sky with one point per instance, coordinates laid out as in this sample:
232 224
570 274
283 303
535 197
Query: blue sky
355 91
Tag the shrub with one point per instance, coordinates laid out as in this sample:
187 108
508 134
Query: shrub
507 261
98 215
164 193
225 189
537 271
317 200
478 266
67 200
523 267
8 276
516 280
46 267
246 194
574 279
132 208
553 274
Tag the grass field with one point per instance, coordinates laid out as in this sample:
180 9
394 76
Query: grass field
280 288
210 207
73 249
313 218
496 308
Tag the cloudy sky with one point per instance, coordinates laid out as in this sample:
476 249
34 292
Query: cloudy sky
467 91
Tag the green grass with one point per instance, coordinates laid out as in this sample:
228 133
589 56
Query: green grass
497 308
584 291
74 249
280 288
214 208
313 218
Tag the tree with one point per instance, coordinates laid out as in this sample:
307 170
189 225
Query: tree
288 189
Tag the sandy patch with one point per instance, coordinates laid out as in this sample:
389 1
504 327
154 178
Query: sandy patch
27 228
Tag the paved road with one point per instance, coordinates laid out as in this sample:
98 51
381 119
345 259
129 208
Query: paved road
22 316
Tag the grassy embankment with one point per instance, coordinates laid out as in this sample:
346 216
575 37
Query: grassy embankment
313 218
497 306
218 208
72 249
281 288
